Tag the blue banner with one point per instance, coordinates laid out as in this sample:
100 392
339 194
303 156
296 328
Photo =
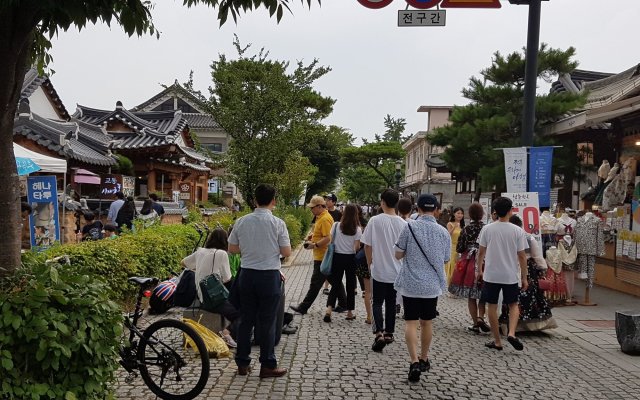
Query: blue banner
540 163
42 194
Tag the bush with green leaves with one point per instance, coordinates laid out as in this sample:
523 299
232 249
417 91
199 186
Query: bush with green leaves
59 334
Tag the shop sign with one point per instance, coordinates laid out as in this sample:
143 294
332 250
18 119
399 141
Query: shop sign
129 186
44 224
185 191
109 186
526 206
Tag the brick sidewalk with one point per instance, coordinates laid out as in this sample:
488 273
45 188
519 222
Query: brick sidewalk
334 361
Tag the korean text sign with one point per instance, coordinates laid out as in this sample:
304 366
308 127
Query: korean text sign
515 169
526 206
540 162
42 195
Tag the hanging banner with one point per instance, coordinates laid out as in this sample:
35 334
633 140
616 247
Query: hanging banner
515 169
129 186
540 162
42 194
526 206
485 202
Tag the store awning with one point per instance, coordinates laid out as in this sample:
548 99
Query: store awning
46 163
85 176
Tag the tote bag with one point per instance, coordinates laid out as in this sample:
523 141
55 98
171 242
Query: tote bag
214 293
327 260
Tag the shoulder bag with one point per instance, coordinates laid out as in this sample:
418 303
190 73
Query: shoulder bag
214 293
420 247
327 260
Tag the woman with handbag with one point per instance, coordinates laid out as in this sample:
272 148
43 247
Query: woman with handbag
346 240
213 260
463 281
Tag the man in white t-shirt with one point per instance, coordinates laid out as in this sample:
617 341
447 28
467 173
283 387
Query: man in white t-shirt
502 251
379 238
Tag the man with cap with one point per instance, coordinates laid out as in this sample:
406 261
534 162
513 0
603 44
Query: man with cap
331 200
424 246
320 239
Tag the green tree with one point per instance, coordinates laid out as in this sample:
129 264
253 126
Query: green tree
322 148
266 110
297 172
361 184
380 157
26 27
394 129
493 119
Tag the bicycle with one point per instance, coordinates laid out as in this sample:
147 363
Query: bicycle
160 352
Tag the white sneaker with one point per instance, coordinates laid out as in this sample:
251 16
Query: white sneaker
228 340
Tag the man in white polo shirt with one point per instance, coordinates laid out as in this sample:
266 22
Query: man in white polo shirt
260 238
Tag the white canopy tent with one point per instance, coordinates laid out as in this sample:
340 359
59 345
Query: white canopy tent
47 164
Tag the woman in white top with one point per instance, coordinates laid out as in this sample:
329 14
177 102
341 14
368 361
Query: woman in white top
346 239
148 215
213 259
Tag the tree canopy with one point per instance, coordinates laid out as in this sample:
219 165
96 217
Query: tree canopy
267 110
26 27
493 119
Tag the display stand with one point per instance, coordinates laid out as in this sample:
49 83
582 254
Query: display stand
587 298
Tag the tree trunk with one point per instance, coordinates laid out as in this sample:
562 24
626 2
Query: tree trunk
15 45
476 196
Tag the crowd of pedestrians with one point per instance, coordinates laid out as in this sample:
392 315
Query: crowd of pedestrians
403 256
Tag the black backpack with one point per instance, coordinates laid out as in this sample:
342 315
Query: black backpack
186 290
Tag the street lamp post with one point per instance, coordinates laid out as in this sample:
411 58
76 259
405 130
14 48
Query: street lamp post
531 69
398 174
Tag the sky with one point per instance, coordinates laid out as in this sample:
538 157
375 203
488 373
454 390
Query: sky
378 68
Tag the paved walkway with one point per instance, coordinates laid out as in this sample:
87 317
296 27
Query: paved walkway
334 360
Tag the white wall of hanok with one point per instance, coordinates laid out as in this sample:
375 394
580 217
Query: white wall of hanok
40 104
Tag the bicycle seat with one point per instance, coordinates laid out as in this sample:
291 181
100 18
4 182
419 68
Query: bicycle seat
140 280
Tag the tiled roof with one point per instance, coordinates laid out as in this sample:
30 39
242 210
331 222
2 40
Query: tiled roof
183 163
150 129
64 138
613 88
199 121
32 80
579 77
175 88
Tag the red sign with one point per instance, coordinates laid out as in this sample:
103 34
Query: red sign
423 4
470 4
375 3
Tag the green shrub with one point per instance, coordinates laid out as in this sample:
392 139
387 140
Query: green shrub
154 251
294 227
59 334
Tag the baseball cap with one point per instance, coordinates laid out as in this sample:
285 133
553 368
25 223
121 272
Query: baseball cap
428 202
316 201
331 197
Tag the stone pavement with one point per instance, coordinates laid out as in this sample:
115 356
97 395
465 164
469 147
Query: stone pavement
335 361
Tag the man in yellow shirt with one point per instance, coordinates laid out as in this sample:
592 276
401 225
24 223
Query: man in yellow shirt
320 239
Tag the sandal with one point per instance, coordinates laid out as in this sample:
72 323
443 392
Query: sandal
378 344
515 342
327 318
492 345
474 328
388 338
367 321
351 318
483 325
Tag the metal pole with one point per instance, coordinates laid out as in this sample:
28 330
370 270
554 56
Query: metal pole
531 73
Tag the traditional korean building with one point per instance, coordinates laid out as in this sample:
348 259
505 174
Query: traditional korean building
607 128
160 146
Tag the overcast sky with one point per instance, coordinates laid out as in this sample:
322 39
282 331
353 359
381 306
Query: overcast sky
378 68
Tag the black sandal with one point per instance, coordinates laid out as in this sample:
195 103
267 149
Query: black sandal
483 325
515 342
378 344
492 345
351 318
388 338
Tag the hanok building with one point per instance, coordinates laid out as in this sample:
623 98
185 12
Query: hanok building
607 128
209 133
160 146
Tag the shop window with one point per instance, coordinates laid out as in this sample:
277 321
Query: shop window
214 147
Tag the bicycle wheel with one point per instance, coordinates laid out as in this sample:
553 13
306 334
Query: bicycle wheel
170 369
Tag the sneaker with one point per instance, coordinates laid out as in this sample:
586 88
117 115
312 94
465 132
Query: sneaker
298 309
474 329
378 344
424 365
325 291
228 340
289 330
414 372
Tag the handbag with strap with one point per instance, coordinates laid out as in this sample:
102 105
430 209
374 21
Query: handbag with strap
420 247
214 293
327 260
